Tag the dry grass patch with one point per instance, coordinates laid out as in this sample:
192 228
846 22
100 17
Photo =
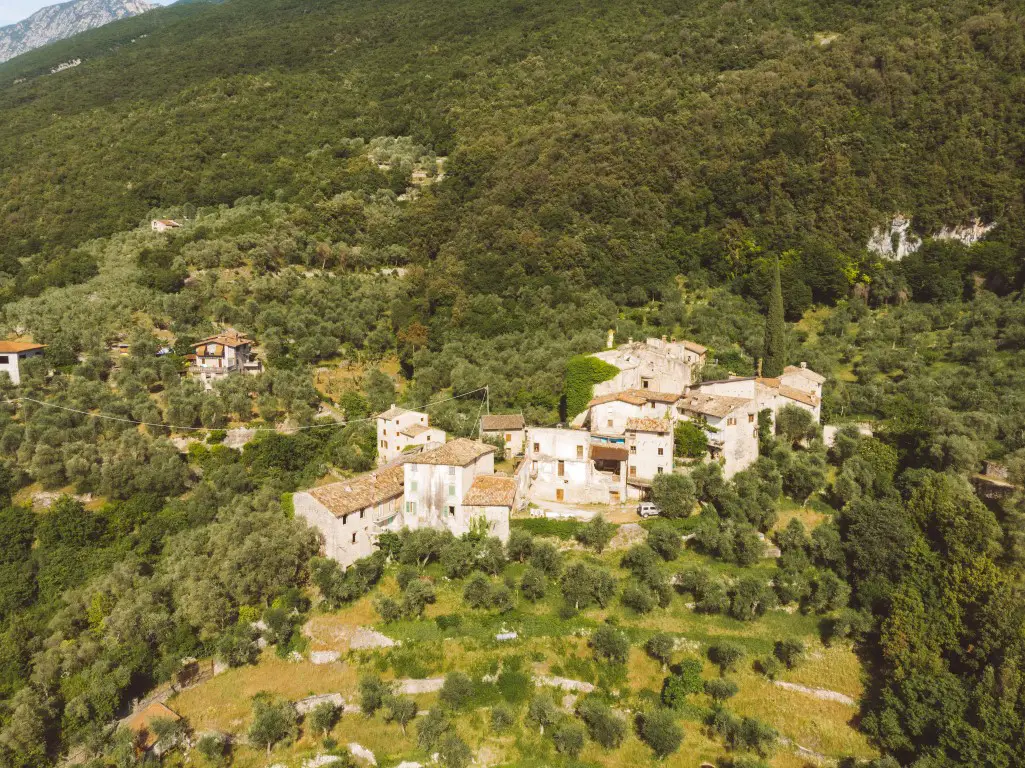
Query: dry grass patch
225 702
836 668
822 726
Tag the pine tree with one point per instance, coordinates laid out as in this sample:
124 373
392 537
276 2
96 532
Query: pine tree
775 328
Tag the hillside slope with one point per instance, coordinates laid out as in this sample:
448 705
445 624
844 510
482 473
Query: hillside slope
623 142
57 22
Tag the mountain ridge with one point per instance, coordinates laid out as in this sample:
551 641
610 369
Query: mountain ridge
58 22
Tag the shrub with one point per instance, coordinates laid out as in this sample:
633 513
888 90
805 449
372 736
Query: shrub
596 533
685 681
457 690
372 694
603 725
569 738
660 647
542 711
720 689
514 685
609 644
769 666
502 718
477 593
638 598
520 545
533 585
789 651
430 728
725 655
454 752
674 494
547 559
660 731
273 721
664 539
323 718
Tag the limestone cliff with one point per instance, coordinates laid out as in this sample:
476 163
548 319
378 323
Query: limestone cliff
56 22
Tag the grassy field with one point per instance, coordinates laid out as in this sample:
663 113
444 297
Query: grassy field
452 637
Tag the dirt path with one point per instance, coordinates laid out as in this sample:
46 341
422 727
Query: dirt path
818 693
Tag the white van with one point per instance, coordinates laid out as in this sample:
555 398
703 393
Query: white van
648 509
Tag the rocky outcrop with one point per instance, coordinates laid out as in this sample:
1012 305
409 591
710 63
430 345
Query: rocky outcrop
897 240
56 22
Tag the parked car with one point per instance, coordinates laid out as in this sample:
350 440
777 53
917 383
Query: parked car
648 509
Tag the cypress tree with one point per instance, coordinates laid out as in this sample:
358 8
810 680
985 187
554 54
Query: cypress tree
775 327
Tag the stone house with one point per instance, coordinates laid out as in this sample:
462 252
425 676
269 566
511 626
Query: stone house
12 353
350 514
447 487
221 355
510 428
608 414
437 480
565 466
492 497
731 427
661 365
650 442
400 430
163 225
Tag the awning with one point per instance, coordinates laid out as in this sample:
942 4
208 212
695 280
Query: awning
609 453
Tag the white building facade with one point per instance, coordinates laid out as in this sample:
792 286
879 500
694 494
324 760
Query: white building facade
13 353
399 430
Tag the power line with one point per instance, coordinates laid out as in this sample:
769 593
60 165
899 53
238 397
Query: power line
111 417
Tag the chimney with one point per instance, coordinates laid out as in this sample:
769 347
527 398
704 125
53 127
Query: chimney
804 364
611 341
759 367
630 340
663 338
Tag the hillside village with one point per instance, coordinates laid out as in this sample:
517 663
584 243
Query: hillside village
609 455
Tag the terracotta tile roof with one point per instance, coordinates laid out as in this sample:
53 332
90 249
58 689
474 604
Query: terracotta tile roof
168 222
711 405
14 347
772 383
498 422
808 373
637 397
393 413
362 491
610 452
413 430
141 721
647 425
229 338
797 394
693 346
491 491
455 453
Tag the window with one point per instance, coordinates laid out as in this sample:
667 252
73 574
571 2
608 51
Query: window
562 468
3 359
731 421
633 471
633 449
537 448
410 507
452 489
661 451
345 519
660 470
645 383
412 468
361 513
451 511
750 418
610 422
384 432
508 437
354 538
580 451
451 471
412 486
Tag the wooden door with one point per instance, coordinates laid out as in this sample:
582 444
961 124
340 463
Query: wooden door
560 495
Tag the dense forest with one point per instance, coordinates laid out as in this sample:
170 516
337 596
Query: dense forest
431 199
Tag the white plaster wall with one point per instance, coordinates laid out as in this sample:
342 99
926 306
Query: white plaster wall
644 447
